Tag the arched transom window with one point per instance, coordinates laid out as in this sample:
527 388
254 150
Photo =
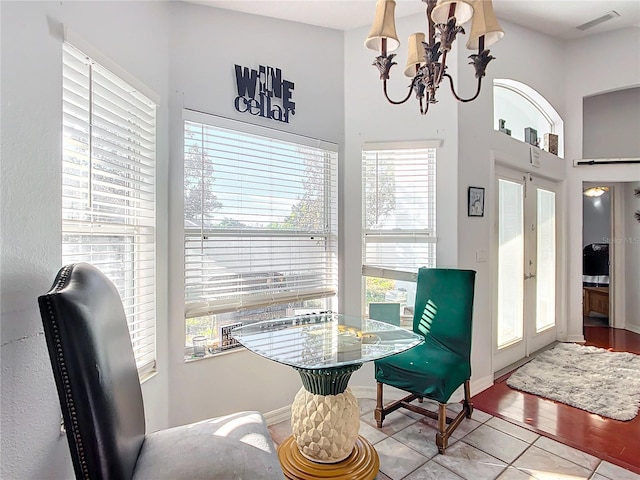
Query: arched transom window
518 107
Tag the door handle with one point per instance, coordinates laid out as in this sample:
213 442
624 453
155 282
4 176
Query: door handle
531 275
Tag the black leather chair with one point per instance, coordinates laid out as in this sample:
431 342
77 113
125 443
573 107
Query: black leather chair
101 399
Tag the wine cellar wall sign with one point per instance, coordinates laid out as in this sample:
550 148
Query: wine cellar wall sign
264 93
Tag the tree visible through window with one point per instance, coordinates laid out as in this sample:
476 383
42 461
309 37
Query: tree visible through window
199 194
379 191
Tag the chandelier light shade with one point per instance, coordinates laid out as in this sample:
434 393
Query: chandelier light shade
462 11
485 24
427 53
383 29
416 54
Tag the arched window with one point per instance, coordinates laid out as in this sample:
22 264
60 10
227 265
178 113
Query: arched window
521 107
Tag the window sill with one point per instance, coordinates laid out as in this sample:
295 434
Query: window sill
188 359
148 376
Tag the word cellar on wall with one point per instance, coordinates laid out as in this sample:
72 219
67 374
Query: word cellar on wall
258 91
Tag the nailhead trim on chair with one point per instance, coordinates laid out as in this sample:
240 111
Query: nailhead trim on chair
68 396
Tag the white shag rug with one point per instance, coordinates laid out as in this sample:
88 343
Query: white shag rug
592 379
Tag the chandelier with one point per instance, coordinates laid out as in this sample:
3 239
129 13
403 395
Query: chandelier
427 62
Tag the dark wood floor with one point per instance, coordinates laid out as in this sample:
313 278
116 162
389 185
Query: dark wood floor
612 440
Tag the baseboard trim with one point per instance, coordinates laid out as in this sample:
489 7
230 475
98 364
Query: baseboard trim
362 391
476 386
516 365
365 391
278 415
575 339
632 328
481 384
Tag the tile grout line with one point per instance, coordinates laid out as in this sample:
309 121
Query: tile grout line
540 435
600 460
508 465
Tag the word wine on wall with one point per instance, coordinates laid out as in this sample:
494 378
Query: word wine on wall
264 93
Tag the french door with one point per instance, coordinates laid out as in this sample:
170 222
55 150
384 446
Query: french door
527 273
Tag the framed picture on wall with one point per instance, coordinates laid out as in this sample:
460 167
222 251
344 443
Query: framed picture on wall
475 203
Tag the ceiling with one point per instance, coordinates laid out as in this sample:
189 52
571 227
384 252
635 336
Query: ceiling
557 18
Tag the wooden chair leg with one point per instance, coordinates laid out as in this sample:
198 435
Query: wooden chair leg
444 431
467 399
379 412
442 439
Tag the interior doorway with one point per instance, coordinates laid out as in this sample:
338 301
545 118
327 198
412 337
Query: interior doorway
597 232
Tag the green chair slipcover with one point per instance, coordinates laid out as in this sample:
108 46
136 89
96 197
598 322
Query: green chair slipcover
436 368
385 312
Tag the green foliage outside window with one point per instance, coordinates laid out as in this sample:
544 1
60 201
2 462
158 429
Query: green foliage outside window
376 288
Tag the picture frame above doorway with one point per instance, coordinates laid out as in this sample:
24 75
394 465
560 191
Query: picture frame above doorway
475 202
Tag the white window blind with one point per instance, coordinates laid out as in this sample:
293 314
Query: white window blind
399 209
108 189
260 213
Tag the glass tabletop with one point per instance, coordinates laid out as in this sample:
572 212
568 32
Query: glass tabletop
325 340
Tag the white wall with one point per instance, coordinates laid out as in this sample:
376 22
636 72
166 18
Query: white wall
205 45
134 34
631 242
622 49
611 123
596 225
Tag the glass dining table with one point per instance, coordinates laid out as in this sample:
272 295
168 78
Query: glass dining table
325 349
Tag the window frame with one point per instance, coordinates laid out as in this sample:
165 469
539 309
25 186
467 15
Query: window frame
534 102
398 236
109 192
329 234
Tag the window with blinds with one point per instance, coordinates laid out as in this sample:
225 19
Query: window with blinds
260 225
108 189
399 219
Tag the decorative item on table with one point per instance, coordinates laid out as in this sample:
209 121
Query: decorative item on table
199 346
427 56
503 127
313 317
475 206
531 136
551 143
226 340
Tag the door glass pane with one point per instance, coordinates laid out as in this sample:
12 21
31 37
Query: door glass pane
546 261
510 262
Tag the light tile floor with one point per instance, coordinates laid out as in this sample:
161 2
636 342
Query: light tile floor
482 448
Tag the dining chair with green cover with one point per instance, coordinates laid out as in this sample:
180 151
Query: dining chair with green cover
435 369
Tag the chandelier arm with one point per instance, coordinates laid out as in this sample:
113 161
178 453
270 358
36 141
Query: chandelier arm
453 90
384 89
443 68
425 110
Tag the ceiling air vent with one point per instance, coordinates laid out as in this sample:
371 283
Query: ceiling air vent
598 21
